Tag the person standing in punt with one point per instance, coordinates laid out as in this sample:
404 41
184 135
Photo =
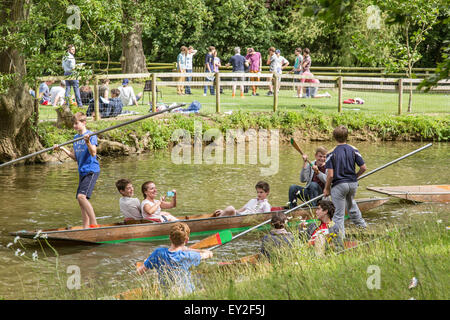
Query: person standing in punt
342 181
85 154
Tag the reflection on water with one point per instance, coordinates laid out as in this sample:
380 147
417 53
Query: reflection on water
43 196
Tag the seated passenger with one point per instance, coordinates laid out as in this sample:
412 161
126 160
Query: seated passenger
317 234
256 205
129 207
151 208
278 236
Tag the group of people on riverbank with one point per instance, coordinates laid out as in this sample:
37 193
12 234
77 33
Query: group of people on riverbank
252 62
111 101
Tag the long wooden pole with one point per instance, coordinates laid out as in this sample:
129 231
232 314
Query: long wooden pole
93 134
320 196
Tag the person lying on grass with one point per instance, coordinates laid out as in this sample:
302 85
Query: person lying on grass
173 263
257 205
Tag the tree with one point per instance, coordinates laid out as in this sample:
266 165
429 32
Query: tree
17 137
415 19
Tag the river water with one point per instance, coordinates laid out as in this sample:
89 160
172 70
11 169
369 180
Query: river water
43 196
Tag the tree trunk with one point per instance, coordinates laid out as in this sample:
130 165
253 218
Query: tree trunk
17 136
133 57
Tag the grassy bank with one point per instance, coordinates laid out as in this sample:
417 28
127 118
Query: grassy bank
308 124
418 248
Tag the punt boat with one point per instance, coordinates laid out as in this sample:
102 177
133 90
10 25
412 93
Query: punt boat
142 230
425 193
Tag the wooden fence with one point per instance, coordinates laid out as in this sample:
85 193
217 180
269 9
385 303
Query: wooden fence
222 79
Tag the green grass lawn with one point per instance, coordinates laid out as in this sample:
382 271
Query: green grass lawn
379 102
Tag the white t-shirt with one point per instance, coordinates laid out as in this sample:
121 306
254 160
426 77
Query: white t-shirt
189 59
155 215
256 206
57 92
127 95
130 208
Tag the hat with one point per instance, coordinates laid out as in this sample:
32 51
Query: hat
125 81
277 51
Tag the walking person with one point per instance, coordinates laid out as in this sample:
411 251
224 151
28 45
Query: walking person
69 64
189 66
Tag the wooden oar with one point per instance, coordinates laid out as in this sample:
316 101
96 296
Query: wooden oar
297 147
92 134
320 196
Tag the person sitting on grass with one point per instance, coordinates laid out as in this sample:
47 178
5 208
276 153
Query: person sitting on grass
115 103
311 92
173 263
130 207
57 94
151 208
127 94
278 236
256 205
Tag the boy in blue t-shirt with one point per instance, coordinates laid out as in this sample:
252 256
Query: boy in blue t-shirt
85 154
342 181
173 263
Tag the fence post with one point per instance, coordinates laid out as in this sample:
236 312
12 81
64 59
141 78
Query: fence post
340 85
154 93
275 92
96 100
217 92
400 95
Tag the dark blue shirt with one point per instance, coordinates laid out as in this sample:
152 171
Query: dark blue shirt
238 62
342 160
209 59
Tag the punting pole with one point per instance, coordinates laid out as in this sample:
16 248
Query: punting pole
320 196
93 134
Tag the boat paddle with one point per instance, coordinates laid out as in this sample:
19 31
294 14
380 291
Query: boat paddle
297 147
92 134
320 196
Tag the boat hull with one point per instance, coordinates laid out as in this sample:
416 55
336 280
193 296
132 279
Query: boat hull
425 193
121 232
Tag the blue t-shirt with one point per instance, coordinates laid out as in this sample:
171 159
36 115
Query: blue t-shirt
173 268
86 162
238 62
209 59
342 160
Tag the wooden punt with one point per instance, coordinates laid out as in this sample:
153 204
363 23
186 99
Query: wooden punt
425 193
200 225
